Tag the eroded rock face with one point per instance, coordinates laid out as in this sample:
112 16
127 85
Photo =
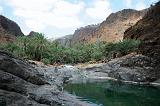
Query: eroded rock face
8 29
65 41
136 68
24 85
148 31
82 35
130 68
10 26
19 68
110 30
32 33
15 99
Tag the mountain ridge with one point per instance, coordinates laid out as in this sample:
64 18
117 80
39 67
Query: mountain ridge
148 31
9 30
110 30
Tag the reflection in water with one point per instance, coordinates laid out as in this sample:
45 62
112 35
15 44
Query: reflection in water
115 94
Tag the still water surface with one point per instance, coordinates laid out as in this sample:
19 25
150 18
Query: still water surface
110 93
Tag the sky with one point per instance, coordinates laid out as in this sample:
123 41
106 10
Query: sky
57 18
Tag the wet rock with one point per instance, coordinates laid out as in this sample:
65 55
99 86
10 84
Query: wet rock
137 68
60 75
13 83
45 94
24 85
16 99
19 68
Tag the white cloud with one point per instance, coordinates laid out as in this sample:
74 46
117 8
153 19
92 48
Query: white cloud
1 9
34 25
99 10
140 5
128 3
135 4
1 6
38 14
154 1
68 9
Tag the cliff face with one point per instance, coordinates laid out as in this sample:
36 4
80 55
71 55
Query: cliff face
32 33
110 30
148 31
8 29
84 34
65 41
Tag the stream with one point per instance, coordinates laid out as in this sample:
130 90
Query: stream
109 93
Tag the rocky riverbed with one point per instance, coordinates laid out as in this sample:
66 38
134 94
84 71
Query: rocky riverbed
136 69
24 84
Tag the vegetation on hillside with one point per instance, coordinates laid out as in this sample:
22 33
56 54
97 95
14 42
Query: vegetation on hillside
38 48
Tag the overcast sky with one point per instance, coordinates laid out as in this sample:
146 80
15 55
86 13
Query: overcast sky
56 18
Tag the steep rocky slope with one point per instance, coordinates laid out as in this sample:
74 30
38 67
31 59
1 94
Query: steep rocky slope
8 29
110 30
65 41
81 35
148 31
84 34
32 33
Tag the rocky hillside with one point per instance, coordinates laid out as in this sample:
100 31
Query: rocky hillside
110 30
33 33
8 29
65 41
148 31
81 35
84 34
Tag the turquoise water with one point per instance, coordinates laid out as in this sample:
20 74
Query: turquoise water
115 94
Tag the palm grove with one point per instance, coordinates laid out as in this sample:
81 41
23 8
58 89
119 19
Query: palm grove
39 48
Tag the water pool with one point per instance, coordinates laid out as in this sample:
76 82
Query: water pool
110 93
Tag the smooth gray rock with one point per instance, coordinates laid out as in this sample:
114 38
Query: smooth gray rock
13 83
19 68
24 85
16 99
137 68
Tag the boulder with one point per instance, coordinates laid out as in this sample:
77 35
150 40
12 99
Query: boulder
19 68
21 84
132 68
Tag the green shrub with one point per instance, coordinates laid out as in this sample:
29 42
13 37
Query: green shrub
38 48
123 47
46 61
